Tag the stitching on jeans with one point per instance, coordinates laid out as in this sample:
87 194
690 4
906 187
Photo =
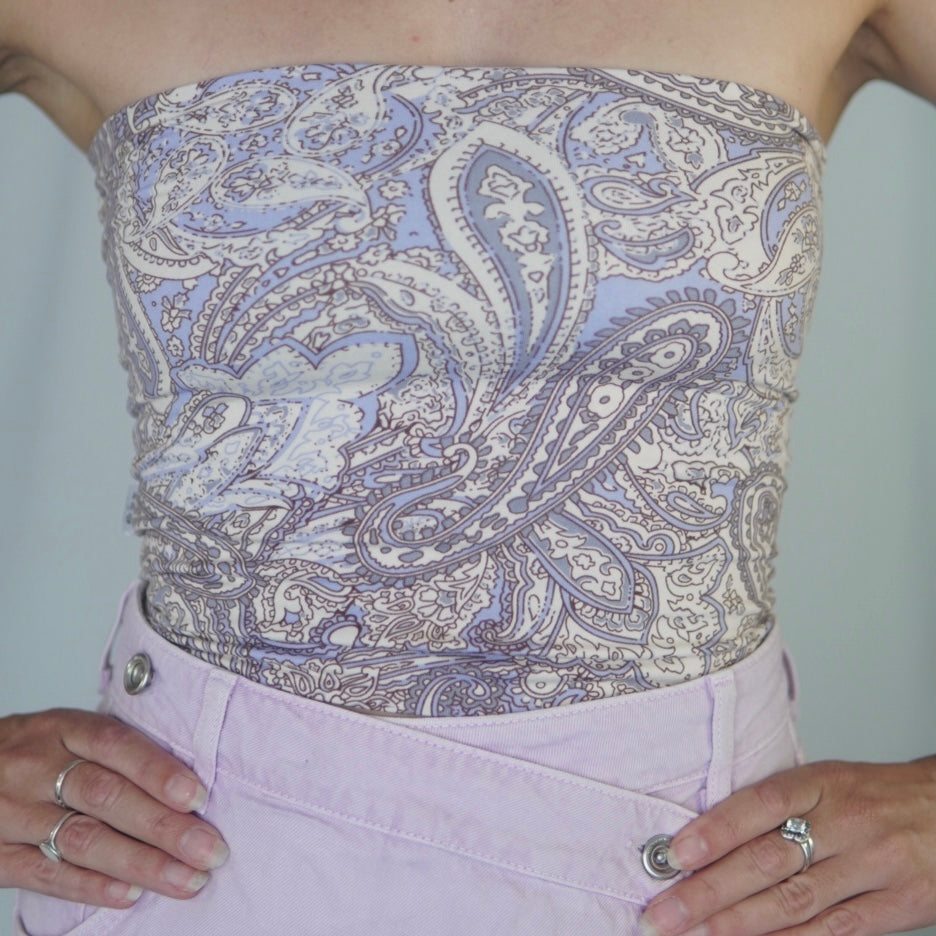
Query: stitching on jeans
695 775
764 742
539 771
699 774
447 846
528 769
517 765
549 773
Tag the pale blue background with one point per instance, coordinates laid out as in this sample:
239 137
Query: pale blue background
855 582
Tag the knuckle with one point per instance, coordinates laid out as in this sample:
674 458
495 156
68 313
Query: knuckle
21 765
843 921
41 871
919 895
101 789
796 898
702 895
143 864
768 857
836 771
732 831
723 835
54 721
80 835
46 721
108 735
842 778
774 797
155 767
890 848
164 826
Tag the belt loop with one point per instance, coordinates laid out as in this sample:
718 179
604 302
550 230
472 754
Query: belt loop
218 688
105 669
724 696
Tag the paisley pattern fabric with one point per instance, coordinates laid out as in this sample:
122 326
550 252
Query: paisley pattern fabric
460 391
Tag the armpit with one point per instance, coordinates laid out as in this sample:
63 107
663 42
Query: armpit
69 108
14 70
901 45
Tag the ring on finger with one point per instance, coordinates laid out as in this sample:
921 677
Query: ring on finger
60 779
797 830
48 846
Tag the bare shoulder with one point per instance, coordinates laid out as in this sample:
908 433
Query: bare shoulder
900 44
81 60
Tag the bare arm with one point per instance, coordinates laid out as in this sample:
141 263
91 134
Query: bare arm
902 47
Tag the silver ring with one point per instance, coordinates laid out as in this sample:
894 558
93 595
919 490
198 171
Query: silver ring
60 779
48 847
797 830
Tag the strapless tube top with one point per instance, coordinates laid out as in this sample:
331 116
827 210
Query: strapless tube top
460 391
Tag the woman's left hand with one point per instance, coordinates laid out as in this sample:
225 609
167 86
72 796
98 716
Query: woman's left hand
873 869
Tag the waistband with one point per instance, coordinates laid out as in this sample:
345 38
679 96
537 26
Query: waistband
568 794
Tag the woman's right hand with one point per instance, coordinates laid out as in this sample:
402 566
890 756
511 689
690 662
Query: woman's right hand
136 830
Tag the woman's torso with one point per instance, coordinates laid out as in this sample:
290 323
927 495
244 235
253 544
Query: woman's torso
423 454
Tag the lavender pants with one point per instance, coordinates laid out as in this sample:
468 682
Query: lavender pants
344 824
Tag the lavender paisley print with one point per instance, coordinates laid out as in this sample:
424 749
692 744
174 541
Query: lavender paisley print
460 391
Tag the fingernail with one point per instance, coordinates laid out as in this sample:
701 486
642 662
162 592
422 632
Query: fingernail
665 917
687 852
204 848
180 875
188 793
119 891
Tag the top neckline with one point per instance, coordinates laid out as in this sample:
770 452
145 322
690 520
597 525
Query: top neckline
798 117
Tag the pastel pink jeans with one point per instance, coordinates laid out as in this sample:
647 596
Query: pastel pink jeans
345 824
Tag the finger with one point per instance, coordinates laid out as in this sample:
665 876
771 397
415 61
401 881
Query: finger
750 869
108 741
744 815
34 872
115 800
872 912
89 843
799 898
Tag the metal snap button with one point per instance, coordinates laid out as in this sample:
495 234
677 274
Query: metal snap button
655 855
138 673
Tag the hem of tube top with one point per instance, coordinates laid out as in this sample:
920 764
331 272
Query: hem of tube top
771 646
799 122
